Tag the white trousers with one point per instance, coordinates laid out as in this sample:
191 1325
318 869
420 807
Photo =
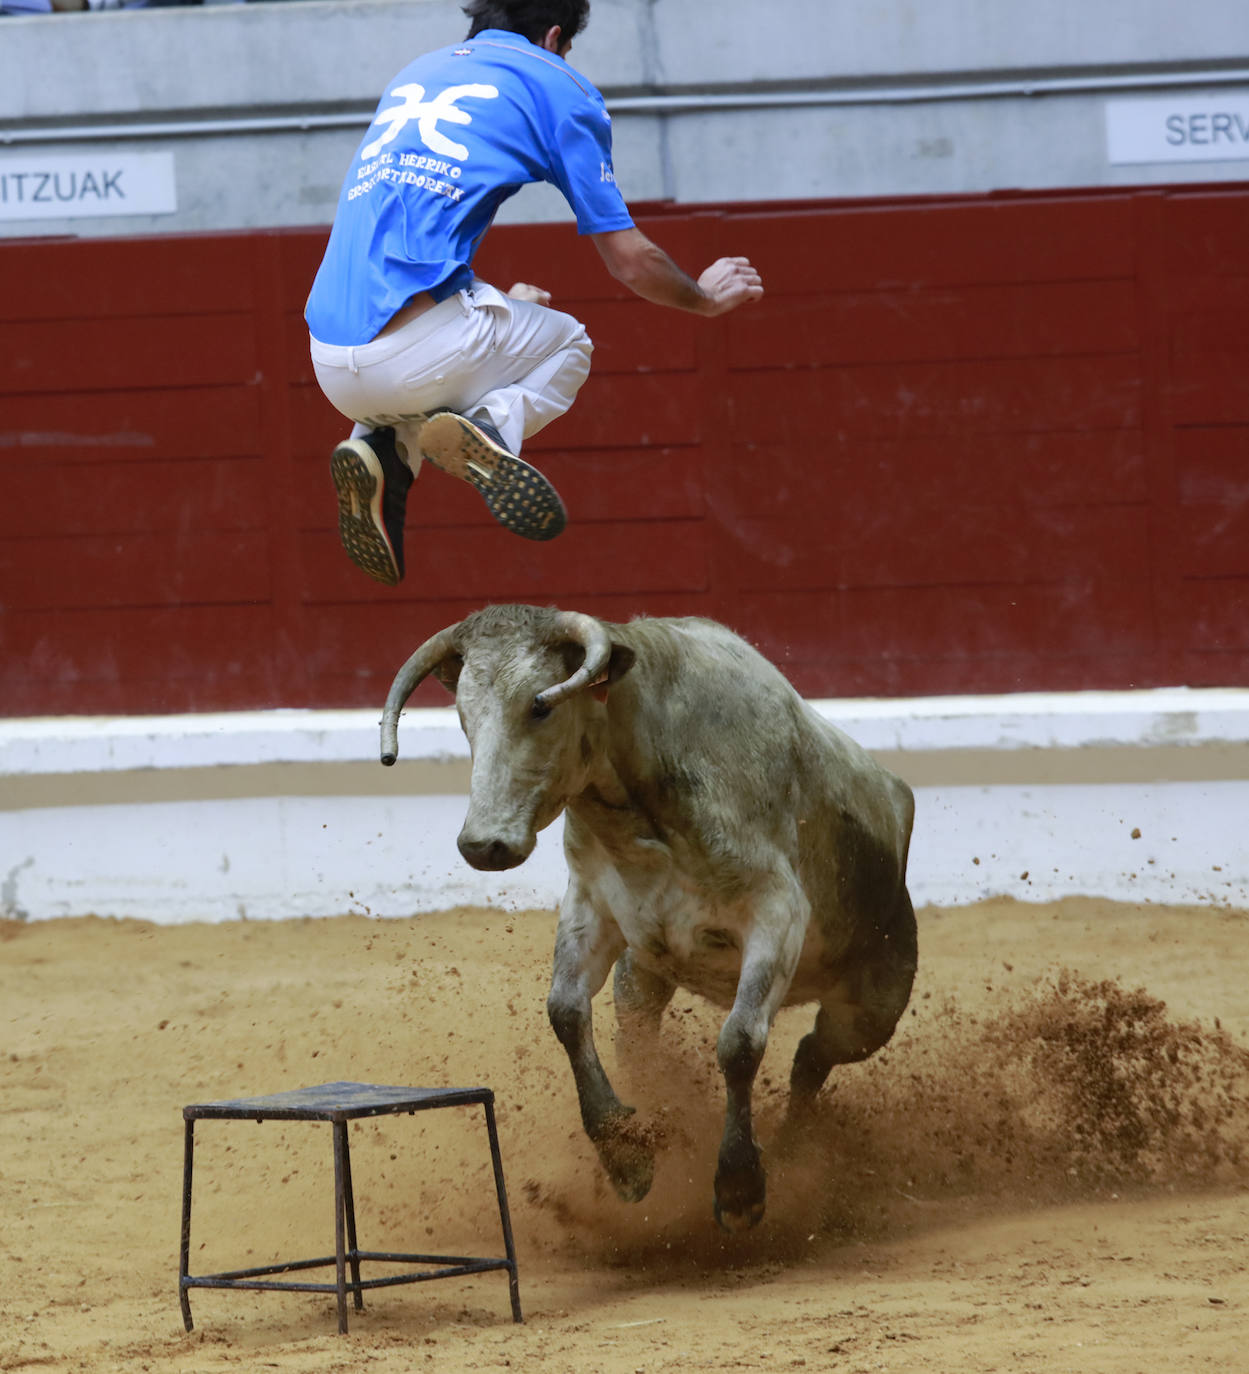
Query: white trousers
479 353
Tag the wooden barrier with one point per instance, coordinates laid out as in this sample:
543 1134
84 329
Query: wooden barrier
983 444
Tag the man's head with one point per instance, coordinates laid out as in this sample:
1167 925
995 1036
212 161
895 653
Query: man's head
534 19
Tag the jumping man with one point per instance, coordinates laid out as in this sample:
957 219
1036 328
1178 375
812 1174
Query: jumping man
429 361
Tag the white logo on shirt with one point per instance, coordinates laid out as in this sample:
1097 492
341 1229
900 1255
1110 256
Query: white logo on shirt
428 114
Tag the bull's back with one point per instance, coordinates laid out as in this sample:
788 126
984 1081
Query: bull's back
741 786
717 745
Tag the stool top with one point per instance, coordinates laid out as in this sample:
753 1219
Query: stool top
336 1102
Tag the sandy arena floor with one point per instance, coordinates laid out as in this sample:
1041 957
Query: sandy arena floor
1044 1171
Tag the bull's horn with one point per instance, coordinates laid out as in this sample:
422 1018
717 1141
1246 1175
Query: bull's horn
407 679
590 634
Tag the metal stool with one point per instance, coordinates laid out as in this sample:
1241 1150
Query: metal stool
339 1103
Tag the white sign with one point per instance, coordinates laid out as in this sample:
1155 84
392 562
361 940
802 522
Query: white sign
85 185
1181 128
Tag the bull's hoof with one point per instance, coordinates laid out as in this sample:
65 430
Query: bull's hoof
628 1156
741 1196
739 1221
633 1181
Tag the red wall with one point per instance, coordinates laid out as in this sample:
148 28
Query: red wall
973 445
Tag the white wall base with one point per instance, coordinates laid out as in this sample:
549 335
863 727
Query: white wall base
1132 796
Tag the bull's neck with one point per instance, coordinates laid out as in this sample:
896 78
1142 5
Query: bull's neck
613 804
603 787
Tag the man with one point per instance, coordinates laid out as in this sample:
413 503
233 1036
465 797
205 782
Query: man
430 362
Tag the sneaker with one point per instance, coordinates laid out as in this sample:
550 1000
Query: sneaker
517 495
372 482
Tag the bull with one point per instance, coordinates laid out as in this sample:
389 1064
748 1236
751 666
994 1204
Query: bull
720 835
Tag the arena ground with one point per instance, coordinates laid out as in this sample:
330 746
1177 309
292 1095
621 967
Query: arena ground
1046 1170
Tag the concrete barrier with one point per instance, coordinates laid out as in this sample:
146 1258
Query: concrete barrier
247 116
257 815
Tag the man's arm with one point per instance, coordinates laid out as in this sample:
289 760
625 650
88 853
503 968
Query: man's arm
649 272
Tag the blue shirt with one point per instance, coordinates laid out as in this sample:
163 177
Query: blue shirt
457 132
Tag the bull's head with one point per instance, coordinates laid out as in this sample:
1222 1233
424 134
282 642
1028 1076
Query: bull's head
509 668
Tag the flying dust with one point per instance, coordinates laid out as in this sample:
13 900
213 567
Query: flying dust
1075 1089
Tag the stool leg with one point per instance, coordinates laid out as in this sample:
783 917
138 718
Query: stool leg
513 1278
353 1245
184 1254
340 1261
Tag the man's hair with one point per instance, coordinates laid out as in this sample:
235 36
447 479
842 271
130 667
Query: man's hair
530 18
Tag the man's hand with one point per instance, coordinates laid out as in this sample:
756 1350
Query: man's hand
728 283
522 291
649 272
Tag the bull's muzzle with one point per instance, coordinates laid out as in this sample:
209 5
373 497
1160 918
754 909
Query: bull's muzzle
491 855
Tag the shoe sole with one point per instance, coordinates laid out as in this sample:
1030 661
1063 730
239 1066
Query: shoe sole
358 480
518 496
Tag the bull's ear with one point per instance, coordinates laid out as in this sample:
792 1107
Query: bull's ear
448 672
620 662
618 665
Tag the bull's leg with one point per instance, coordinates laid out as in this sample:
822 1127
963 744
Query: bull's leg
859 1013
641 997
768 963
585 949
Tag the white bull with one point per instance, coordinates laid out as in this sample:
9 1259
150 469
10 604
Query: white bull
721 837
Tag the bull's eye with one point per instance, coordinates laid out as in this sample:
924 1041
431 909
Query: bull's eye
539 710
